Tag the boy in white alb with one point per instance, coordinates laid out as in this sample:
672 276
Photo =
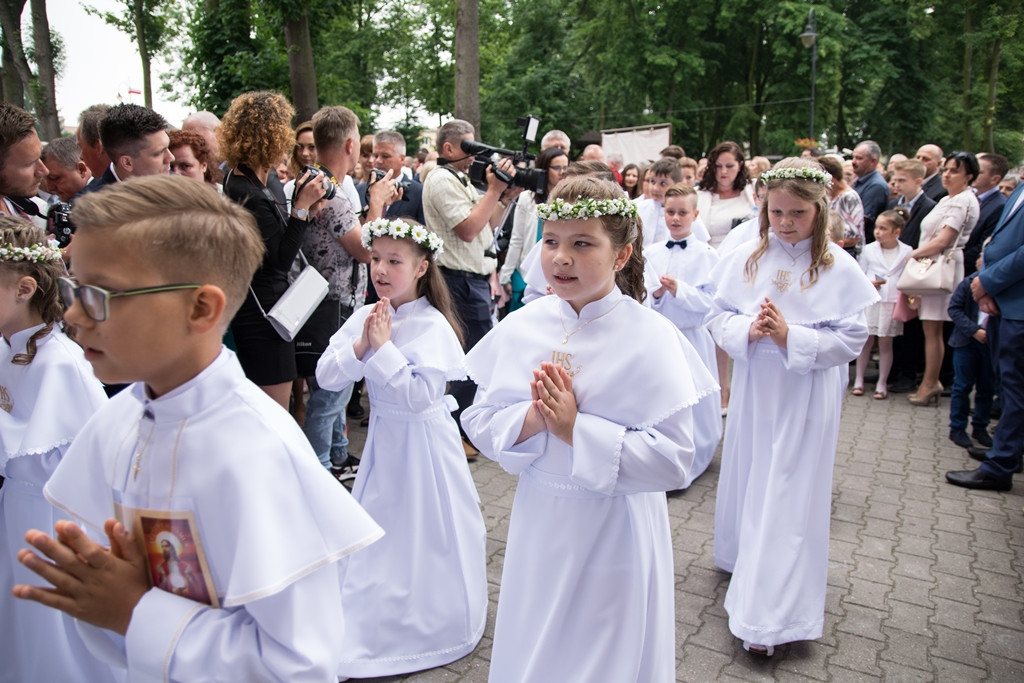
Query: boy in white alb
663 174
683 295
202 485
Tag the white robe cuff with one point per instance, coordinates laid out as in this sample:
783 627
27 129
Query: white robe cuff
505 426
596 450
801 349
157 623
338 367
384 364
734 336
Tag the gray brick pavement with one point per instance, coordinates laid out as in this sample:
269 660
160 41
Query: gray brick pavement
925 579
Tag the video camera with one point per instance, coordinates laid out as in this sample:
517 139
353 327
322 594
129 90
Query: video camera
527 178
58 223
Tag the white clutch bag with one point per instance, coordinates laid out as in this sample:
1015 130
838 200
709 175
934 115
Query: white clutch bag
295 306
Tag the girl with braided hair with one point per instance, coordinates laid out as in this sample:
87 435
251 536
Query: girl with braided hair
47 393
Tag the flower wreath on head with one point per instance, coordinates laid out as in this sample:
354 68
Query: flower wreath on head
36 253
584 208
382 227
802 173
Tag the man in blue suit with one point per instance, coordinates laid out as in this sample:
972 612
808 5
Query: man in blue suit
999 289
994 168
389 155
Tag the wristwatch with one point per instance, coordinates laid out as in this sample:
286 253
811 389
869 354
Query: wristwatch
301 214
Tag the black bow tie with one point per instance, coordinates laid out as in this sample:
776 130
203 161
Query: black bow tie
674 243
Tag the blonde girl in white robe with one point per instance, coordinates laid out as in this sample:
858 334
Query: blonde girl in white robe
47 393
789 310
587 397
417 598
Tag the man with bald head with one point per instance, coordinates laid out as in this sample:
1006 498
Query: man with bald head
206 124
931 156
592 153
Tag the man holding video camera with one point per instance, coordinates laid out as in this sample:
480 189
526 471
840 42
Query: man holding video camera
461 217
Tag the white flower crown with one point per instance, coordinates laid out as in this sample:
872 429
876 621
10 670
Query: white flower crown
560 209
36 253
802 173
382 227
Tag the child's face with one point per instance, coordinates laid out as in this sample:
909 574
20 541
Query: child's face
905 185
886 233
659 184
689 176
396 266
791 218
145 338
579 260
679 216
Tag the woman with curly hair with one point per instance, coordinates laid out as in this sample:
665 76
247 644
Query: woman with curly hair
192 157
254 135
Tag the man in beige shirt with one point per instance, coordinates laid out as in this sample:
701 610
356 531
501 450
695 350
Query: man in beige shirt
461 217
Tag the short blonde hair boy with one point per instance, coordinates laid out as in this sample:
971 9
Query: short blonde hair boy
183 229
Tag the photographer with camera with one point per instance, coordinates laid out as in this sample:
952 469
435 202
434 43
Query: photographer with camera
460 216
21 169
389 155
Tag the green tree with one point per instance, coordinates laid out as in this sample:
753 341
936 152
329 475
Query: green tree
151 24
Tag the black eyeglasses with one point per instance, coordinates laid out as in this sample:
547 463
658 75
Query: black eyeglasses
96 300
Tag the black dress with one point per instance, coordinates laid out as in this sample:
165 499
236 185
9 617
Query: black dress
266 358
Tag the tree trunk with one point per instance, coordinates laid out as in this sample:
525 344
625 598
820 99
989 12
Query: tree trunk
987 126
10 22
11 89
139 15
467 62
301 69
46 100
968 58
753 133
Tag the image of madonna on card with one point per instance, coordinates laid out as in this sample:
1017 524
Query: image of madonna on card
175 556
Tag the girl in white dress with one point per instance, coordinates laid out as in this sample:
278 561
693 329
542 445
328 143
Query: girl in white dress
417 598
587 396
883 261
683 294
47 392
789 310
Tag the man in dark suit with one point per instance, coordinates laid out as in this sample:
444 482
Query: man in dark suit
135 139
908 349
999 289
389 155
932 158
88 137
993 169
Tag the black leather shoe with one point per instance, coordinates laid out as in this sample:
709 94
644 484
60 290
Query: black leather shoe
976 479
982 437
978 453
902 386
960 438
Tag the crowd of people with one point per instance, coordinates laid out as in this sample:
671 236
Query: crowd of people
590 335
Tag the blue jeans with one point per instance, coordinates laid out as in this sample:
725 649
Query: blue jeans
1008 437
325 423
972 369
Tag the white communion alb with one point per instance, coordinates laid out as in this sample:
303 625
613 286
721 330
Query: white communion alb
417 599
587 586
775 487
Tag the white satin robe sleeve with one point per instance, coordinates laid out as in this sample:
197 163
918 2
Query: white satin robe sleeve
606 457
688 307
730 330
293 635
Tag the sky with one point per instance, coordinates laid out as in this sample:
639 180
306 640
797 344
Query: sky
101 63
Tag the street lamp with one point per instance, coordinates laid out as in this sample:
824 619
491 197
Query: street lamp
810 39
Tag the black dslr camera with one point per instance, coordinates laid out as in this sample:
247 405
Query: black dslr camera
527 178
58 223
401 182
330 189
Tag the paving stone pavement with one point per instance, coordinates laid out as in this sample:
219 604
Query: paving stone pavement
925 578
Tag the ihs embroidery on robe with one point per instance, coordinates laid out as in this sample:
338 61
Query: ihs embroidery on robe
782 280
564 360
5 399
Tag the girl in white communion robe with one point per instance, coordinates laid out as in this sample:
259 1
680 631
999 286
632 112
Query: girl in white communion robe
587 396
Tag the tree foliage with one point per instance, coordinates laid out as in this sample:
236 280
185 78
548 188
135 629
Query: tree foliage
902 72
